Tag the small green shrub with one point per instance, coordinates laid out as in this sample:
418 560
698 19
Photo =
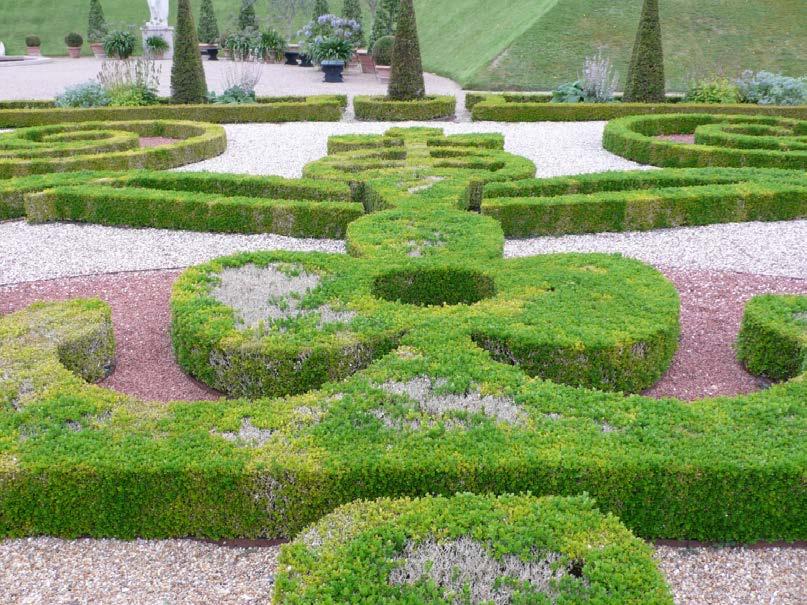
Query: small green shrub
156 44
73 40
718 90
88 94
132 95
208 29
382 50
246 16
120 44
33 41
233 96
271 44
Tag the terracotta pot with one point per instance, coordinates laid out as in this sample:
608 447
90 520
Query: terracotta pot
33 51
366 62
74 52
98 50
383 72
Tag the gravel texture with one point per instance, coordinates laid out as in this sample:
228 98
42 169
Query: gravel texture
557 148
47 251
53 571
761 248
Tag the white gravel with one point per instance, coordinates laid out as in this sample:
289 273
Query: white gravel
36 252
778 248
557 148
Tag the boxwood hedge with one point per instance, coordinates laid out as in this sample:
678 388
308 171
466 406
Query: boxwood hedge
383 109
534 108
460 402
106 146
469 548
720 140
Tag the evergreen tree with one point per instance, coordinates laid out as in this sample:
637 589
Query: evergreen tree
246 16
352 10
187 74
406 80
208 29
96 23
385 17
645 83
320 8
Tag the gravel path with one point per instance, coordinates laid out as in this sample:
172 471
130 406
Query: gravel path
48 570
557 148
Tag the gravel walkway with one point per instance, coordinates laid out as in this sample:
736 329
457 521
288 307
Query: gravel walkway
48 570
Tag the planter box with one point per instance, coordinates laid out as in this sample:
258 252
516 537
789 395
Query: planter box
74 52
382 72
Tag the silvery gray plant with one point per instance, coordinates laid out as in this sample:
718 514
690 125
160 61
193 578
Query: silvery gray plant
599 80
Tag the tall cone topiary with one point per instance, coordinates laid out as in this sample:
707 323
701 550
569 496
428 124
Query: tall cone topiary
320 8
645 83
187 74
208 26
406 80
352 10
246 16
96 23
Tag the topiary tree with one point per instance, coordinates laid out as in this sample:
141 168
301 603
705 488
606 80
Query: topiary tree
352 10
406 80
187 74
246 16
96 23
645 83
208 26
320 8
384 22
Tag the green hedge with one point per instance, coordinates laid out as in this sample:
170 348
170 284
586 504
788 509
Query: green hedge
720 140
509 108
223 203
382 109
106 146
642 200
325 108
12 191
468 548
773 336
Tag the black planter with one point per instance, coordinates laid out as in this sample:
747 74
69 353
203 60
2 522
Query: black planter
212 54
305 61
291 57
333 71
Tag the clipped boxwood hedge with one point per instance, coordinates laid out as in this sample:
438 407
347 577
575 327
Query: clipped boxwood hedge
720 140
225 203
12 191
522 108
323 108
106 146
383 109
773 336
469 548
642 200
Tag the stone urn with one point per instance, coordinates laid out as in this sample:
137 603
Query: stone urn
333 71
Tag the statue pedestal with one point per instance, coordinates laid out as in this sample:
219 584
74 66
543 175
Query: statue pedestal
164 32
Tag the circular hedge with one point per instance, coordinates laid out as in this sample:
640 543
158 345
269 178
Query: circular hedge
719 140
469 549
107 146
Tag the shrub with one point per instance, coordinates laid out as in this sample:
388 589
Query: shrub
246 16
88 94
351 10
271 44
600 80
382 50
132 95
384 109
96 24
386 16
208 30
233 95
765 88
33 41
320 8
120 44
188 84
73 40
406 80
718 90
330 49
645 82
470 549
156 44
131 83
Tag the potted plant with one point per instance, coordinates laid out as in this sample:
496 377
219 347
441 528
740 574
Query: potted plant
332 54
119 44
74 42
382 57
327 28
96 29
32 44
156 47
271 46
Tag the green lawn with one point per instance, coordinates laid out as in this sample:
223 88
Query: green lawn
513 44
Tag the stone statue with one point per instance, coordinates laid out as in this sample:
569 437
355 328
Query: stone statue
2 50
159 12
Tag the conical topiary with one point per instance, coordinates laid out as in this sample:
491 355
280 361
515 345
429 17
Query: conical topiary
208 29
246 16
187 74
645 83
406 80
96 23
384 21
320 8
352 10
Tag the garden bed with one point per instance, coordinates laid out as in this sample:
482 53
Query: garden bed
382 109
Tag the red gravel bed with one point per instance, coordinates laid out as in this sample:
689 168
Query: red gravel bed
678 138
712 304
156 141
